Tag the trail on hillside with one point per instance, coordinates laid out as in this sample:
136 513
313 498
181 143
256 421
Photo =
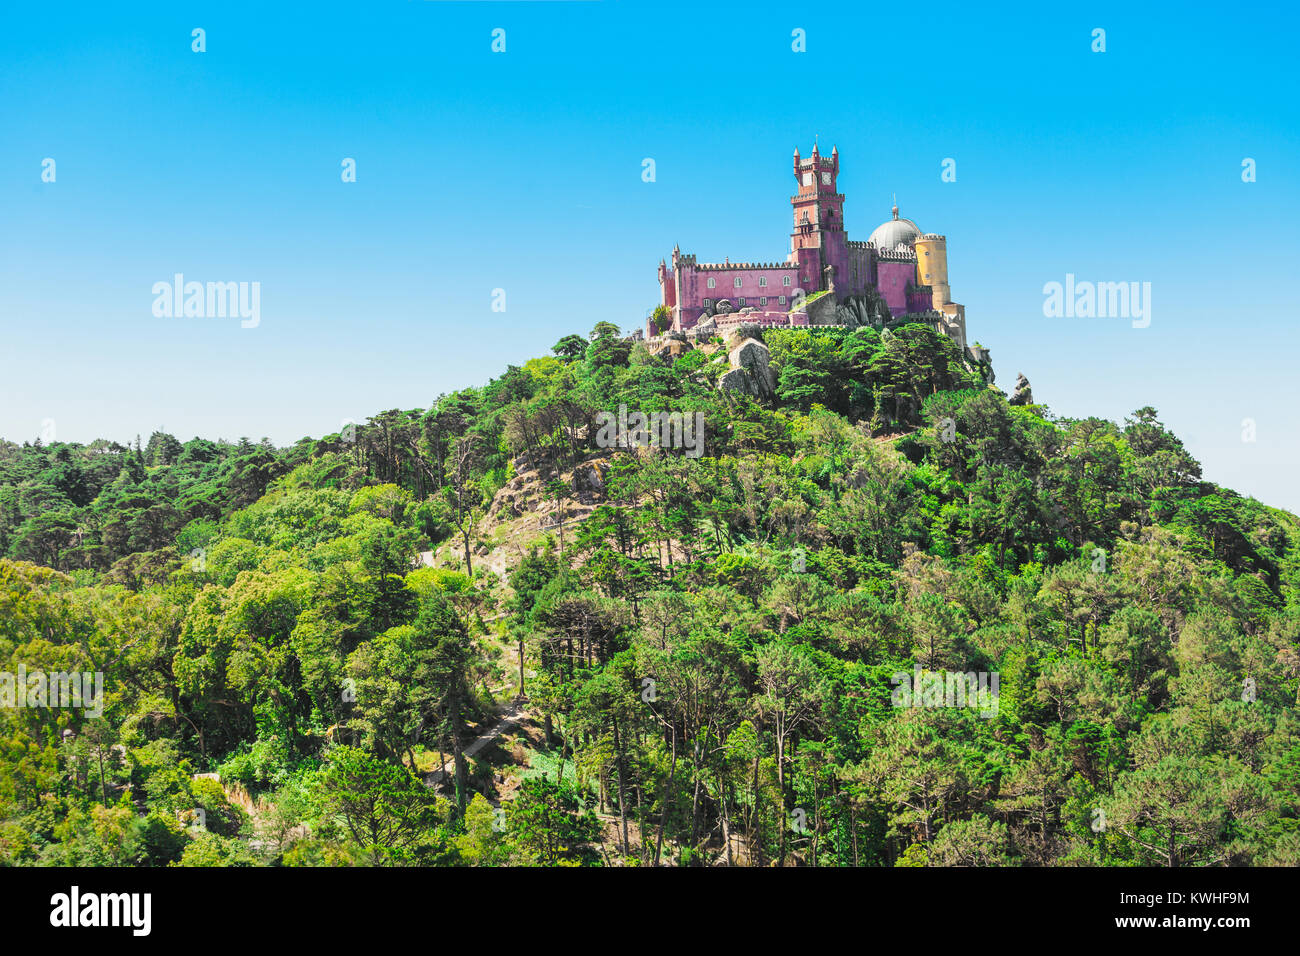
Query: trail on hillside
514 712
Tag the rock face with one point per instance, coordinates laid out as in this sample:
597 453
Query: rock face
751 370
860 310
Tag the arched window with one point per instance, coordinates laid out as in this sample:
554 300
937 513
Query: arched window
762 280
737 282
712 283
785 280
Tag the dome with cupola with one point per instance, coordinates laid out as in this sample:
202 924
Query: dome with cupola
894 233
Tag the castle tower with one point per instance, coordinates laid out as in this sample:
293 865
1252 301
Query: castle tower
932 267
818 239
667 285
932 270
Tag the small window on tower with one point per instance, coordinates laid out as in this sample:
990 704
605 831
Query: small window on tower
712 283
807 179
826 178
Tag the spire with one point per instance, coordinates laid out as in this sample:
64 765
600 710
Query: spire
895 209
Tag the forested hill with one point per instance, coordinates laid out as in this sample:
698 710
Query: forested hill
718 646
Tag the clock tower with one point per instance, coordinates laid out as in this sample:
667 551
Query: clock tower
818 239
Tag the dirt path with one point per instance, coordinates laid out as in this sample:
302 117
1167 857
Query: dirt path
515 712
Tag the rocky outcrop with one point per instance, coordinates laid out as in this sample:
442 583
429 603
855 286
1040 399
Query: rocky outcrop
588 482
1024 395
863 310
751 371
738 334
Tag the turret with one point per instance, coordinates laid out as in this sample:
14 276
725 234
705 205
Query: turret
932 266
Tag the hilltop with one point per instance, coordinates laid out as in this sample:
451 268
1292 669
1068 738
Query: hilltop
871 610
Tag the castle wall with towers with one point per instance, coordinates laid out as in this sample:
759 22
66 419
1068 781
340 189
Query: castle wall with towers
906 268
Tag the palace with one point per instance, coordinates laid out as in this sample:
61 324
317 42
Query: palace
899 272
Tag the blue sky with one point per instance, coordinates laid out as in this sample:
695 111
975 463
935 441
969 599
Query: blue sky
522 171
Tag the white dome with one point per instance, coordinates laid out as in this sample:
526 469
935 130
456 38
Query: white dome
896 232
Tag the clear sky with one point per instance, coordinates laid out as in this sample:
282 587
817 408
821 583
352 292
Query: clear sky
522 171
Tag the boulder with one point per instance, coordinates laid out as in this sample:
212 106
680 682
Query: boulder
751 370
739 380
589 478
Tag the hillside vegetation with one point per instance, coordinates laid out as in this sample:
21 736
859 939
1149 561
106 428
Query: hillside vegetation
714 651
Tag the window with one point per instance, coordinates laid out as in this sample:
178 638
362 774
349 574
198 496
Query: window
708 303
712 284
762 280
807 179
782 300
826 178
741 300
737 282
785 280
762 300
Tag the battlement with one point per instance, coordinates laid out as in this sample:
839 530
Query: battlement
730 266
809 197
